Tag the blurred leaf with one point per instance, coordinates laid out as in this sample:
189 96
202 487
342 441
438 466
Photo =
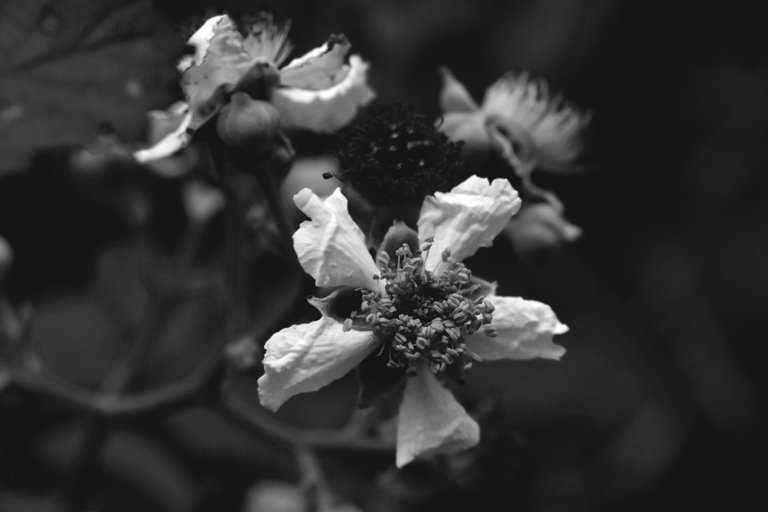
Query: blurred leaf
11 502
70 68
131 466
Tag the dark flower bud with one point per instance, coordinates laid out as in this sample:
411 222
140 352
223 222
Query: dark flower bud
259 81
6 258
245 123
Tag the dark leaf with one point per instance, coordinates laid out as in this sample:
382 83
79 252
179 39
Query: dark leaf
73 68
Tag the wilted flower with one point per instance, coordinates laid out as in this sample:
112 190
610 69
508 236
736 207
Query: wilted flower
319 91
419 311
518 118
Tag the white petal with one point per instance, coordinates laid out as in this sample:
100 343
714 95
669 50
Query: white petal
454 97
266 40
469 127
525 330
325 110
431 420
331 247
466 218
306 357
174 141
220 62
201 39
320 68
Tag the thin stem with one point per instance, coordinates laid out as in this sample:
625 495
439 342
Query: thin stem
111 408
121 380
524 169
271 192
265 427
317 495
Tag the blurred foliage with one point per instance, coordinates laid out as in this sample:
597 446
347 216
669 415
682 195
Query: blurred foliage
73 68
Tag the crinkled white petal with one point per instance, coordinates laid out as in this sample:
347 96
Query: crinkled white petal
325 110
318 69
201 39
431 420
220 61
525 331
177 139
466 218
306 357
331 247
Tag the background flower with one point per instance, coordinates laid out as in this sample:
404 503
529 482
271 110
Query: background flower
318 91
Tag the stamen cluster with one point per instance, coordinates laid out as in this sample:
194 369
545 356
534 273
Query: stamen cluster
421 316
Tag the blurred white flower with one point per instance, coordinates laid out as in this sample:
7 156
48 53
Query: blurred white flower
519 118
539 230
320 91
421 315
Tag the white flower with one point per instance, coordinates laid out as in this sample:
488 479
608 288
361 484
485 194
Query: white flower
319 91
331 248
519 117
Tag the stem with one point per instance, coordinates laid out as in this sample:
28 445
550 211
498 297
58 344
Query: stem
317 495
524 169
111 408
97 433
265 427
271 192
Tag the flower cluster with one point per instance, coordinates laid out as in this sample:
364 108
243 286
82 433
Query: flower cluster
319 91
419 311
529 129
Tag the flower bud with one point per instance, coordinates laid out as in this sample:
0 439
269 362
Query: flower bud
245 123
259 81
539 230
274 496
6 258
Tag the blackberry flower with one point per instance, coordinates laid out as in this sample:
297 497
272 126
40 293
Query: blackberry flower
518 117
319 91
418 310
396 155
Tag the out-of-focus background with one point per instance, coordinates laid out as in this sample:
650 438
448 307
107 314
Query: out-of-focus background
660 399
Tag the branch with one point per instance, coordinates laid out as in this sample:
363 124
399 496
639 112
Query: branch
112 407
264 426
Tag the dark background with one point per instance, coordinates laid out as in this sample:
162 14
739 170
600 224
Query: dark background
660 400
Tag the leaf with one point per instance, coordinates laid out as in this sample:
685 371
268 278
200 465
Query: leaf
71 68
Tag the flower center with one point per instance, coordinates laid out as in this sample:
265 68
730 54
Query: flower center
422 316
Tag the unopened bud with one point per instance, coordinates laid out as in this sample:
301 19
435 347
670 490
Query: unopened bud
539 229
6 258
243 353
274 496
245 123
259 81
